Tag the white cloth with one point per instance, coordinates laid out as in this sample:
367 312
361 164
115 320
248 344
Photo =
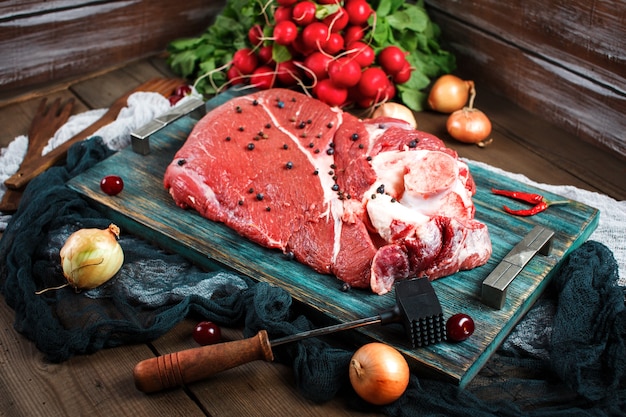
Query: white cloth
144 106
611 230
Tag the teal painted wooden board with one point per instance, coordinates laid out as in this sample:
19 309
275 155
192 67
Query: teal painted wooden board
145 208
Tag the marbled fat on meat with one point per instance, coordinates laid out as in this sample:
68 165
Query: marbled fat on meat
368 201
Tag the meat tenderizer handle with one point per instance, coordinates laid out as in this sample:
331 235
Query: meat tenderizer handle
179 368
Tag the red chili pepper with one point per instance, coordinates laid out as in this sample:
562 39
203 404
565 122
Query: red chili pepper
540 203
538 208
518 195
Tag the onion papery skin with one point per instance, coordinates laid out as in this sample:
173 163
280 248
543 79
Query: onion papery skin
469 125
397 111
379 373
449 94
91 257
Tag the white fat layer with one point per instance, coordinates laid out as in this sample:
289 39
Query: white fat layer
207 191
333 206
435 204
390 168
402 204
383 211
374 131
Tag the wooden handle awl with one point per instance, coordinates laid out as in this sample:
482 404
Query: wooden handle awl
179 368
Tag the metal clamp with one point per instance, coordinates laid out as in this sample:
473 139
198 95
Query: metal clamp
494 287
140 138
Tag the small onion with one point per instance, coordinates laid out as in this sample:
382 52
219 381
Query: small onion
469 125
450 93
379 373
397 111
90 257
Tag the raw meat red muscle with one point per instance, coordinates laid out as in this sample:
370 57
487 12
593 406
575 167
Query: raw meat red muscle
367 201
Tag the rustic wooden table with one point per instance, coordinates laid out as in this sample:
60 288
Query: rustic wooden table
101 384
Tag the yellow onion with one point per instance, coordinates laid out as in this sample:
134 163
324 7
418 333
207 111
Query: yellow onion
397 111
450 93
379 373
90 257
468 125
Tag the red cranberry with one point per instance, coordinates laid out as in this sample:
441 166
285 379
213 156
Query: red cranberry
112 184
207 333
459 327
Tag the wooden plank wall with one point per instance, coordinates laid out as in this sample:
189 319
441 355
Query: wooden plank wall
563 60
59 39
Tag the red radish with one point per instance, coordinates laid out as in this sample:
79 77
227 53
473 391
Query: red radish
358 11
353 34
329 93
317 63
303 13
285 32
403 75
282 13
362 53
182 90
337 21
234 76
299 47
344 72
390 92
263 77
354 94
391 59
373 82
287 73
365 102
287 3
245 60
328 1
315 35
255 34
335 44
383 95
265 55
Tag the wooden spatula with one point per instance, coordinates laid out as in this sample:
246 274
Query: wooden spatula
47 120
34 167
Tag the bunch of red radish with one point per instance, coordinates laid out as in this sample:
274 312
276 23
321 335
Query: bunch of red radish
326 54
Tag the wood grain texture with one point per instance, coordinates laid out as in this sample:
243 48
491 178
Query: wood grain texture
146 209
60 40
12 9
585 37
100 383
564 62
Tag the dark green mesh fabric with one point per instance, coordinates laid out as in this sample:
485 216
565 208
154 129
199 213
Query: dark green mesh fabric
566 358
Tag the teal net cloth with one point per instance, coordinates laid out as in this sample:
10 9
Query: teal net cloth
567 357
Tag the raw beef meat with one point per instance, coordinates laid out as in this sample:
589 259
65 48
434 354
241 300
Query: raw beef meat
370 201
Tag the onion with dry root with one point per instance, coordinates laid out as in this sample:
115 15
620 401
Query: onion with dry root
469 125
379 373
397 111
90 257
